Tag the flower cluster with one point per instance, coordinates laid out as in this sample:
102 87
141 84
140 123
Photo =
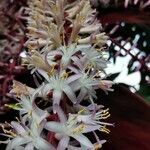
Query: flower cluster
65 51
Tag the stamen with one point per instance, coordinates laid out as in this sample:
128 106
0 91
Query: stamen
13 106
52 70
104 129
9 132
81 111
18 119
30 113
64 75
79 129
104 114
97 146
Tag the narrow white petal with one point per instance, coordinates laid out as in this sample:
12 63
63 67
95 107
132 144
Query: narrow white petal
29 147
18 141
54 126
81 95
18 127
56 98
83 140
60 113
42 144
69 92
44 74
63 143
73 78
39 113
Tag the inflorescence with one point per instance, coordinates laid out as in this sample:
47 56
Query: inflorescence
66 56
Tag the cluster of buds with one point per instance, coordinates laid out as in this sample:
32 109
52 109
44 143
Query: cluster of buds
65 54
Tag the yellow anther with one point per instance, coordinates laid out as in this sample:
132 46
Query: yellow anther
104 114
104 129
105 117
9 132
97 146
98 49
79 129
52 70
81 111
30 47
89 66
30 113
106 110
64 75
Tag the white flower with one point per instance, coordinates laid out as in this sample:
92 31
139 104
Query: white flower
93 57
68 53
70 128
59 85
25 138
106 85
86 85
28 110
94 118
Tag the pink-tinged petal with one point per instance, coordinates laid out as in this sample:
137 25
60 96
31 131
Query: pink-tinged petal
94 107
29 147
126 3
135 2
18 128
106 85
63 143
83 140
60 113
77 62
70 94
145 4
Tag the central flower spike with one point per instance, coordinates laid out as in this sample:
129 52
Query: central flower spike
65 54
